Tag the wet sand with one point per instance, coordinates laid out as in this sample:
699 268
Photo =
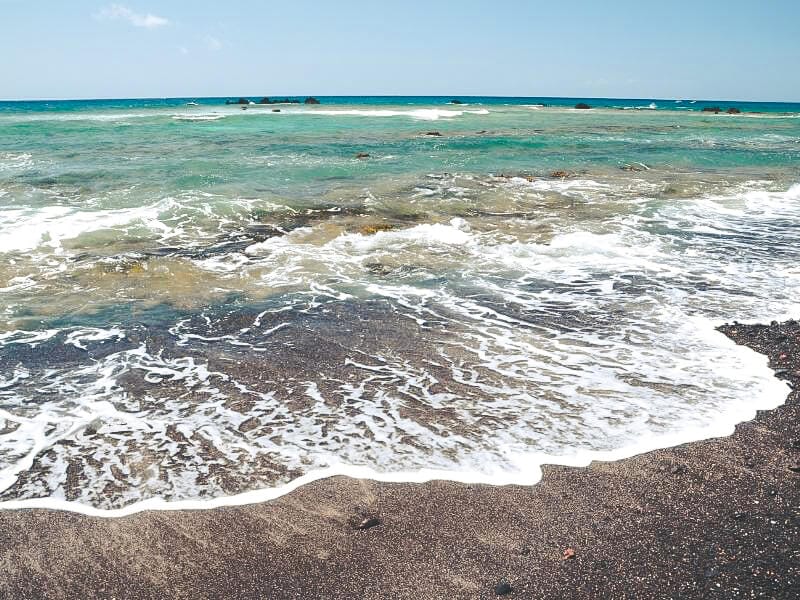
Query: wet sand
718 518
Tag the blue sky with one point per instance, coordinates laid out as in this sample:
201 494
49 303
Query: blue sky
146 48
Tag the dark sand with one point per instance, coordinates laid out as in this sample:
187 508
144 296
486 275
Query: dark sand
713 519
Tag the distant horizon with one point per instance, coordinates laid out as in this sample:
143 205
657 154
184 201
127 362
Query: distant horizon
437 96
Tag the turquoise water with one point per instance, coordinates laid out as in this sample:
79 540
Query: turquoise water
200 299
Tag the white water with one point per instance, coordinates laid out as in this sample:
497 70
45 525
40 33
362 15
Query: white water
593 342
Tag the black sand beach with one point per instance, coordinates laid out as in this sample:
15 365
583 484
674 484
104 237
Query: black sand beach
713 519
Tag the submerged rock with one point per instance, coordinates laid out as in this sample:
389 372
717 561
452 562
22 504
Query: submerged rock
433 133
377 268
733 111
373 228
312 100
635 167
560 174
362 155
712 109
456 102
582 106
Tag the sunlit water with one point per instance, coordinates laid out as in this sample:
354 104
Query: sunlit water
203 300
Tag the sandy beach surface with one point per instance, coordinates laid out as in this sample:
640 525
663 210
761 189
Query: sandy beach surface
714 519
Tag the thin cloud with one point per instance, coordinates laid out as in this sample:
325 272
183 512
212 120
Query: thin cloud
117 12
212 43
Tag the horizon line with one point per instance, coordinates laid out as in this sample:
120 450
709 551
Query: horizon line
453 96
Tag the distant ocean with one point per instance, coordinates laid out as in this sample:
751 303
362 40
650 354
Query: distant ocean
199 300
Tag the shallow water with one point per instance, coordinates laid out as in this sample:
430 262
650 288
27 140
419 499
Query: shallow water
199 300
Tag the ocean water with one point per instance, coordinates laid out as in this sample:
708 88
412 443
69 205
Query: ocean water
200 301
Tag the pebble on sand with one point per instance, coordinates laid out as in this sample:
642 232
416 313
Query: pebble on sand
503 588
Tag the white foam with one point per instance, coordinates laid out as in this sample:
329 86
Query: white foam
595 341
527 466
28 229
420 114
191 118
15 161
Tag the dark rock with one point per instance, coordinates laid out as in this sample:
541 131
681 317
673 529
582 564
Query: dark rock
433 133
525 550
560 174
733 111
243 101
312 100
635 167
276 110
482 131
456 102
715 109
362 155
377 268
266 100
795 469
582 106
503 588
368 523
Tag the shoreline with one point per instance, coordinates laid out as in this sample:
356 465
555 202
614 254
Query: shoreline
529 475
718 517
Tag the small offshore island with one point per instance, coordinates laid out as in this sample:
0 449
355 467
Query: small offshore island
266 100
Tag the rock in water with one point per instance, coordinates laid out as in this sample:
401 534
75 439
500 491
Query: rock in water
375 228
312 100
456 102
734 111
362 155
714 109
433 133
582 106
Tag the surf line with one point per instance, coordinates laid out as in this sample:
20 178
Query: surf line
528 466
